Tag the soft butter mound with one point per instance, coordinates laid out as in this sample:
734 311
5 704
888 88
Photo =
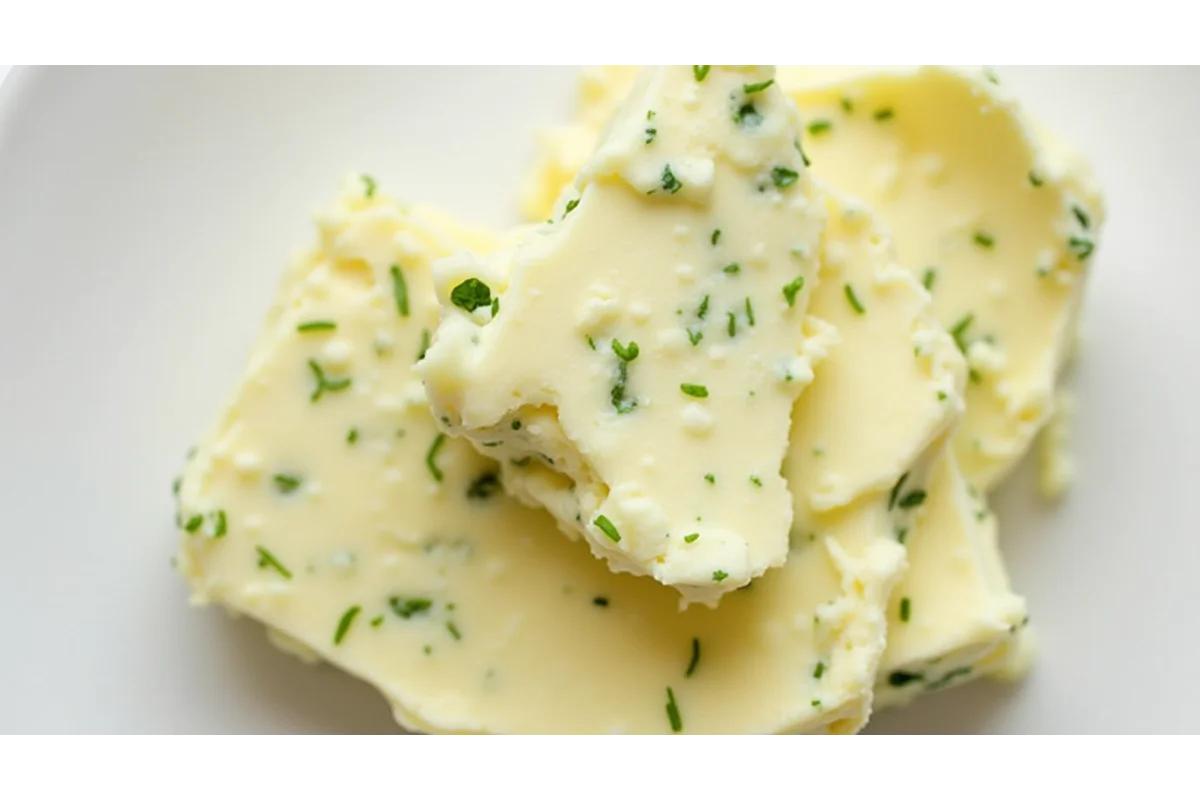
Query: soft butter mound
327 504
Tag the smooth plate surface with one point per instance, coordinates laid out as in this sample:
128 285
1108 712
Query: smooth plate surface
146 215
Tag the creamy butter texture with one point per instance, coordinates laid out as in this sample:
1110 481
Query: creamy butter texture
771 337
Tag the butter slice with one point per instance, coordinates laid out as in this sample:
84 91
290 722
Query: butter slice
645 349
350 527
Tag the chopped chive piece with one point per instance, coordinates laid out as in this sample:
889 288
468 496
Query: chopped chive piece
516 425
603 523
817 127
673 712
495 306
905 609
941 395
895 494
591 342
695 662
650 134
693 389
352 436
710 478
702 311
901 535
220 523
847 105
471 294
754 88
928 279
175 485
853 300
1081 247
959 331
267 559
431 457
377 621
1035 179
426 340
757 481
324 384
716 236
732 269
701 73
484 486
720 575
819 669
747 116
985 240
815 703
941 682
749 312
991 76
884 114
901 678
286 484
912 499
670 183
571 204
602 602
407 608
344 624
691 537
732 326
650 114
194 522
694 336
792 289
368 185
399 290
1082 216
316 325
800 149
627 352
454 631
784 177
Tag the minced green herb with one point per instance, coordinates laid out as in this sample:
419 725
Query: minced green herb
484 486
819 670
369 185
716 236
783 177
316 325
959 331
928 279
286 484
220 523
471 294
1081 247
819 126
884 114
720 575
194 522
732 326
1035 179
905 609
749 313
572 204
960 672
267 559
673 716
985 240
344 624
695 662
670 183
700 73
853 300
431 457
399 290
426 340
1084 220
901 678
324 384
602 602
710 478
792 289
605 524
754 88
693 389
454 631
691 537
352 436
732 269
747 116
895 493
913 499
407 608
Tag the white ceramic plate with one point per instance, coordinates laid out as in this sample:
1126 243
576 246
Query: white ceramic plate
145 216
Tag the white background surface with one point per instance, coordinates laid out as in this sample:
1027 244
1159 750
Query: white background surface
144 220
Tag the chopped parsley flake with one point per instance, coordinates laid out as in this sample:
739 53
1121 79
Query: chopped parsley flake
602 602
716 236
710 478
819 670
286 484
985 240
673 712
749 313
344 624
819 126
1081 247
701 73
695 662
853 300
913 499
732 326
431 457
572 204
605 524
754 88
670 183
884 114
316 325
454 631
484 486
757 481
625 354
783 177
650 134
1084 220
324 384
792 289
591 342
895 494
691 537
901 678
905 609
929 278
194 522
693 389
720 575
471 294
399 290
732 269
516 425
368 185
267 559
407 608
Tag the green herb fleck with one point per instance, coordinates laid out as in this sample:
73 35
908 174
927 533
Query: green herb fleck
895 494
694 336
316 325
220 523
747 116
901 678
732 326
985 240
431 457
991 76
942 682
783 177
693 389
605 524
471 294
426 340
901 535
175 485
819 670
757 481
792 289
695 662
454 631
602 602
710 478
929 278
819 126
344 624
691 537
905 609
732 269
755 88
1081 247
702 311
407 608
267 559
673 712
720 575
572 204
749 312
847 105
650 134
1035 179
853 300
670 183
352 436
800 149
627 352
959 331
324 384
368 185
399 290
884 114
495 307
913 499
701 73
591 342
716 236
286 484
484 486
194 522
